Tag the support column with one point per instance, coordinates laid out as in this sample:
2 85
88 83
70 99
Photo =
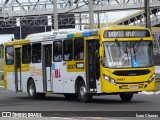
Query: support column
91 14
98 20
80 21
55 15
147 13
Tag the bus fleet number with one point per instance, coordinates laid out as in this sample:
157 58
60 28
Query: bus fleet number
70 66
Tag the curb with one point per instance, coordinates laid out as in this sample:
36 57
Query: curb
150 93
1 86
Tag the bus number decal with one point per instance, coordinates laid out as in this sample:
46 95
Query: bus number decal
70 66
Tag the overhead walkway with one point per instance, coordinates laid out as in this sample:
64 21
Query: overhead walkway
40 12
138 18
45 7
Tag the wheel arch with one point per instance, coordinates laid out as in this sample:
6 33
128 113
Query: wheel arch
29 79
77 82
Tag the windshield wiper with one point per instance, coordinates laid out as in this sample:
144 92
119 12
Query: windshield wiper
124 49
120 45
136 47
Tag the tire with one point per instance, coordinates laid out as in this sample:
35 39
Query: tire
83 95
32 91
126 96
70 96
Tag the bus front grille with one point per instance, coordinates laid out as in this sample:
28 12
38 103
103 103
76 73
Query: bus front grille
131 72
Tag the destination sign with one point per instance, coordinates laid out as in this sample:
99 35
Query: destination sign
126 33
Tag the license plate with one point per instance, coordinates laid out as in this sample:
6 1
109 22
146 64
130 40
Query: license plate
133 87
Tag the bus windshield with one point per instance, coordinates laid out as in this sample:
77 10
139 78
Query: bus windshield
126 54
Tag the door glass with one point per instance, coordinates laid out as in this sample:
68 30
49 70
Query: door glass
18 58
48 56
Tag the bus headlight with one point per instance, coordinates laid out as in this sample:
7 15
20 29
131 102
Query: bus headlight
151 78
109 79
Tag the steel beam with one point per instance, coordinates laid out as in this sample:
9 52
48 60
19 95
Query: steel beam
41 7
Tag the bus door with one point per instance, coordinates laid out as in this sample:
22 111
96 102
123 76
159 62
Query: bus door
17 69
92 64
47 64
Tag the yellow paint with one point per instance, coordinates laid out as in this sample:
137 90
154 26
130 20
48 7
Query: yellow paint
78 34
10 68
71 66
106 87
49 92
17 42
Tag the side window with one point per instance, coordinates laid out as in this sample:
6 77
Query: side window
67 50
79 49
26 54
57 51
36 53
9 55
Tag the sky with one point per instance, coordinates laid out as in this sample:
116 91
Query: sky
6 37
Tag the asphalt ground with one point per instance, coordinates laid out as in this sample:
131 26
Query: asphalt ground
20 102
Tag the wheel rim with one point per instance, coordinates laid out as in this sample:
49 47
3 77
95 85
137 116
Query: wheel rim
83 91
31 89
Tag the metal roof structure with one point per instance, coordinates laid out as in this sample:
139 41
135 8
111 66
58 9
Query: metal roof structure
40 12
11 8
138 18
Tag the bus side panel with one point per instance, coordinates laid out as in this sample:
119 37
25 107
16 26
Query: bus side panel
57 74
74 69
25 69
70 79
36 74
64 81
25 76
10 78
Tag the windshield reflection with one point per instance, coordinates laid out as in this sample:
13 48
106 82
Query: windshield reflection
128 54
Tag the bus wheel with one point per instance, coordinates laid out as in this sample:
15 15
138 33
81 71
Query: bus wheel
83 95
32 91
126 96
70 96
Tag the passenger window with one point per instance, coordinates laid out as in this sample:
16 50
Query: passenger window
36 53
79 49
67 50
10 55
26 54
57 51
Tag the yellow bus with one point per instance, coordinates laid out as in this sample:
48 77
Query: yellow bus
114 60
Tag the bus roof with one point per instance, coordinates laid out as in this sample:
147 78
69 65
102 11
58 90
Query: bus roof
123 27
50 33
70 33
